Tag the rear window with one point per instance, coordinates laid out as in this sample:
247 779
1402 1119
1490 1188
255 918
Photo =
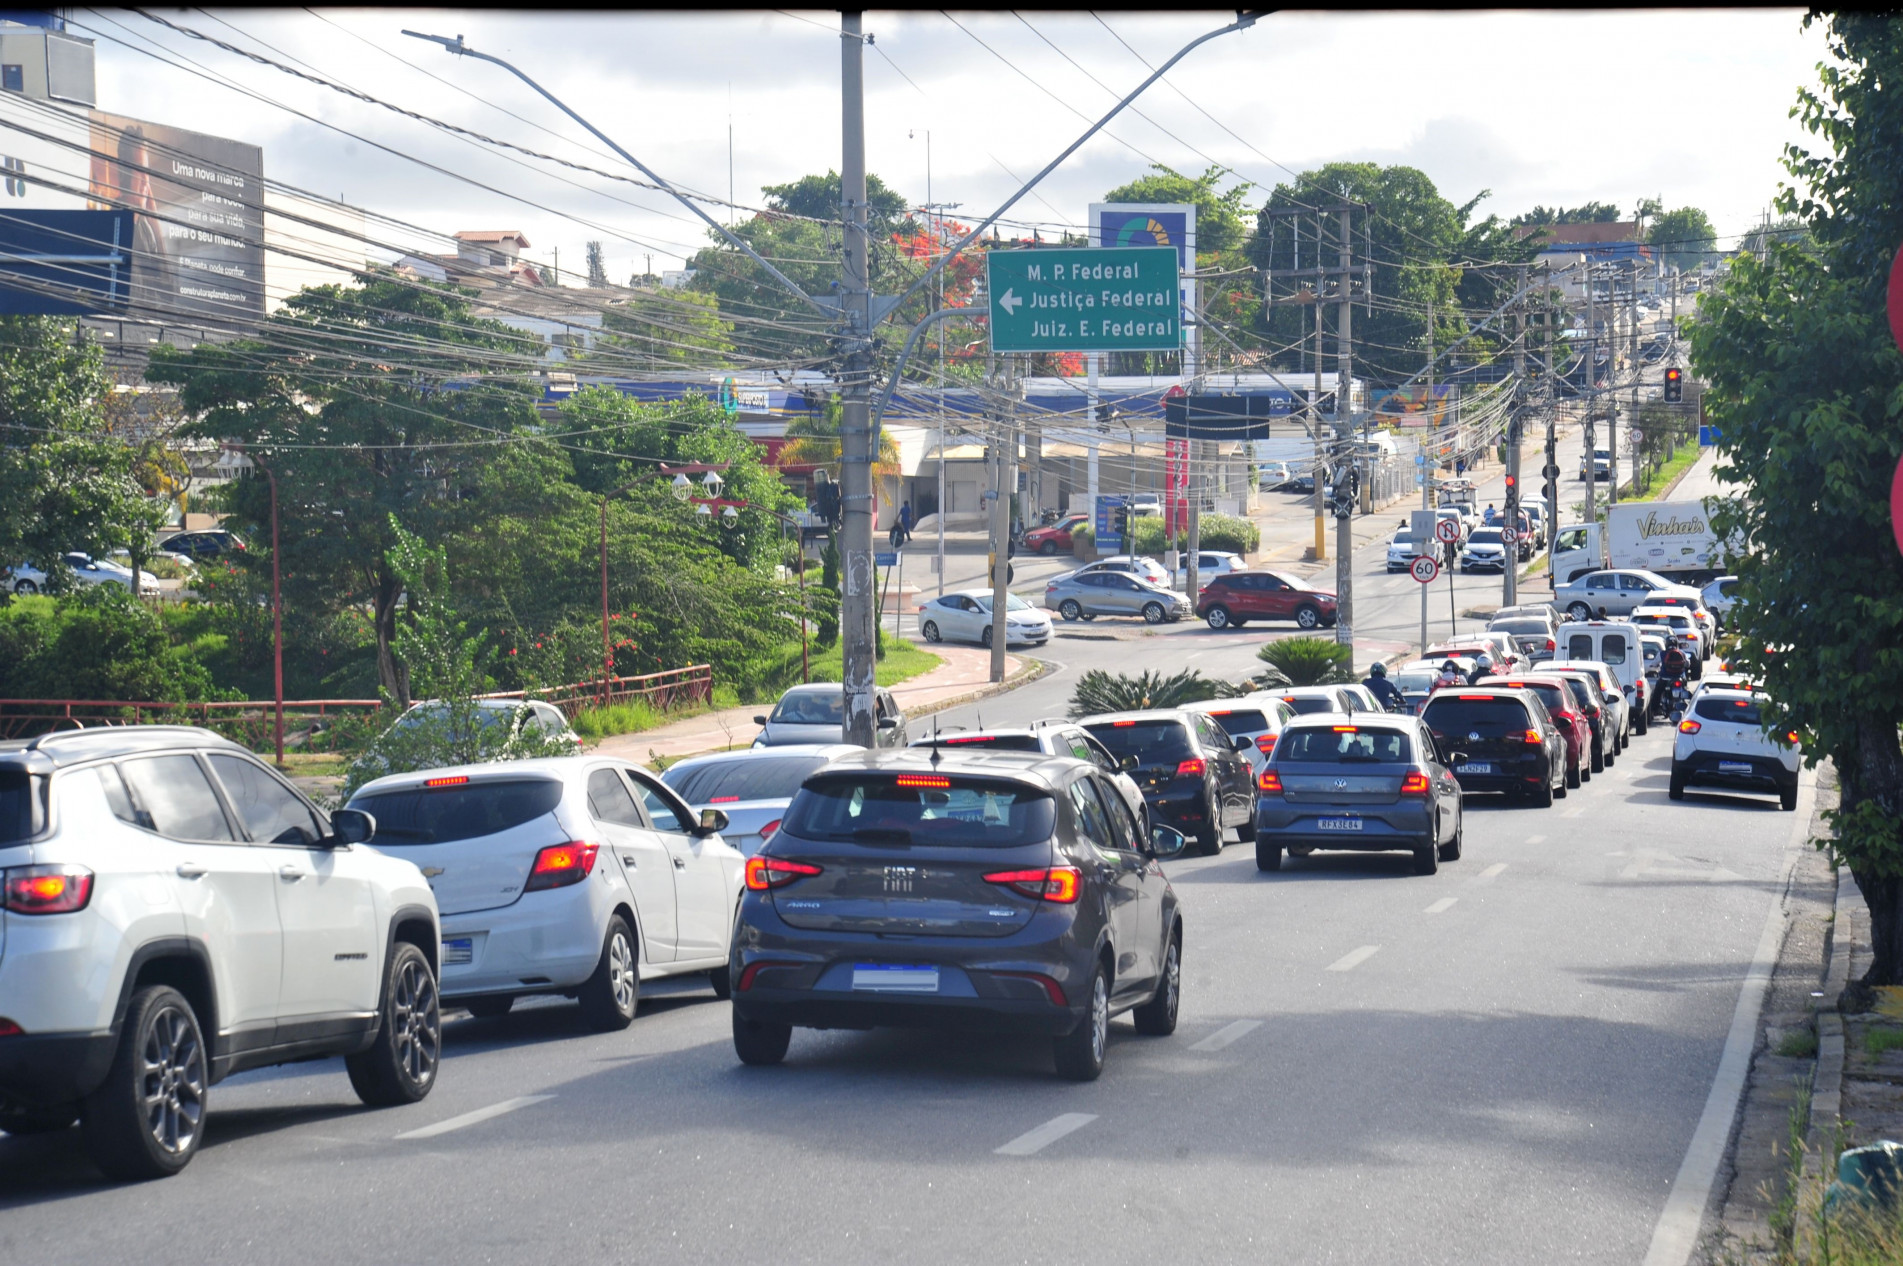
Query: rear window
812 709
443 815
1151 742
1308 705
1344 745
22 805
1489 716
756 778
1736 711
1415 682
1527 627
1241 721
997 742
932 810
1582 692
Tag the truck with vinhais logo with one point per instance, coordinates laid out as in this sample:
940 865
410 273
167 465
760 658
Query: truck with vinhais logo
1673 538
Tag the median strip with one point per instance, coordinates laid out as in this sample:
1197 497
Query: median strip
1354 958
1033 1141
474 1118
1227 1034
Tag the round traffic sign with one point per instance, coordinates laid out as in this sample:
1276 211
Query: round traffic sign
1509 535
1447 530
1423 569
1550 471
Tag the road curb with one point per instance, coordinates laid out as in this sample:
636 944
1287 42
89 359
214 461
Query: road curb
1827 1082
1029 670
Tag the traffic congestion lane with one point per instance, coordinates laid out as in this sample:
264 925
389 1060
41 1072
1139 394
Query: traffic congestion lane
1550 1034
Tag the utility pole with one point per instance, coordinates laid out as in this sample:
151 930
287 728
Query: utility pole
1004 448
1638 372
1315 423
1591 393
1510 593
1344 433
857 635
1192 450
1552 435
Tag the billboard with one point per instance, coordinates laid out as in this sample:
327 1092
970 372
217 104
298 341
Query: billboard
1410 406
198 228
63 263
1157 224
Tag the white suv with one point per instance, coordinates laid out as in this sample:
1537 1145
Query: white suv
1722 743
574 875
174 913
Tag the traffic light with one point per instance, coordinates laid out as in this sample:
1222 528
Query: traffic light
1674 385
826 494
1513 481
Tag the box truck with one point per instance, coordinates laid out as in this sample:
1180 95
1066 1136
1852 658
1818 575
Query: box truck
1672 538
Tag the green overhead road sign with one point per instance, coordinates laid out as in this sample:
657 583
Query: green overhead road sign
1088 299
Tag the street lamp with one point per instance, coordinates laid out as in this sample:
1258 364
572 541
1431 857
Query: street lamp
680 486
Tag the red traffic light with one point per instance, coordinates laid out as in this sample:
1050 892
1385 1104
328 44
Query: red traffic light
1673 375
1512 480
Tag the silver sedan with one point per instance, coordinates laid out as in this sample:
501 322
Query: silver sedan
1087 595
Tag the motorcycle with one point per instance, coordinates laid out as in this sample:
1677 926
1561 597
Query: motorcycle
1681 698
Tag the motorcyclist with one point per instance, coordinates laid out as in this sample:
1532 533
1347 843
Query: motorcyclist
1449 676
1483 667
1673 665
1385 692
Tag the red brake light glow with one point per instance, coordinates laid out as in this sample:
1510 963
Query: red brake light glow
1265 742
776 872
47 889
1345 729
1476 698
723 799
9 1029
1118 725
560 865
1689 726
1791 735
969 738
456 781
923 780
1551 645
1415 784
1534 737
1194 767
1060 884
1269 783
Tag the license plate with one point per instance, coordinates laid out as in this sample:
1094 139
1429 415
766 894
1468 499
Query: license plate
894 978
1338 824
1474 767
458 950
1734 767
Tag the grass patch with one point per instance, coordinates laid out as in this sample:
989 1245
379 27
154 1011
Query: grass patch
1799 1044
1877 1040
1664 475
1783 1212
313 764
902 661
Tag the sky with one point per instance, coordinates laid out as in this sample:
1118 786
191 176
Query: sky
1692 107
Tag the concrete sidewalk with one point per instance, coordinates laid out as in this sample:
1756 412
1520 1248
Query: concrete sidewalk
966 672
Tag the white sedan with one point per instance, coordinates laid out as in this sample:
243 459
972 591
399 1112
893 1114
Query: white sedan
965 616
1209 564
26 578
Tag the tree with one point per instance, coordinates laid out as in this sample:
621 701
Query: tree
1585 213
1099 691
1307 661
660 329
1222 222
1683 238
1805 387
597 267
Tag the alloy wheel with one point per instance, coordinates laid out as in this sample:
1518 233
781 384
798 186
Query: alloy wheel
621 971
1099 1017
413 1013
172 1081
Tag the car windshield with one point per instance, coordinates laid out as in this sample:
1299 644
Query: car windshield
1403 541
1240 721
745 778
1528 627
1489 716
1151 742
1011 602
812 708
1581 692
1293 582
1343 745
1736 711
21 807
460 811
937 810
1485 536
1416 681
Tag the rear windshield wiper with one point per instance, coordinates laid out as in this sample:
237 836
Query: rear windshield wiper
407 833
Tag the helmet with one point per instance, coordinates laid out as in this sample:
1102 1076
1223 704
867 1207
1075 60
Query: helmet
1483 660
1450 667
1379 670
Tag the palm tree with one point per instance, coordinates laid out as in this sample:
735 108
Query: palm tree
815 442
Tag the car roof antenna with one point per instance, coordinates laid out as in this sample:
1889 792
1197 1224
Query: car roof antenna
934 742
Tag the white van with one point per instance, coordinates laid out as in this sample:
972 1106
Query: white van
1615 644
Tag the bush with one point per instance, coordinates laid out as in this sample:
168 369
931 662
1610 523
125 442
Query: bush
95 643
1098 691
1083 535
1223 533
1308 661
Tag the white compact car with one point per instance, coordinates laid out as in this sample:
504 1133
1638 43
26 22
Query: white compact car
1722 743
87 570
1257 717
572 875
752 786
965 616
175 913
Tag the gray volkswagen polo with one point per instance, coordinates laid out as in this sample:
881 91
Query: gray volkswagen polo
958 889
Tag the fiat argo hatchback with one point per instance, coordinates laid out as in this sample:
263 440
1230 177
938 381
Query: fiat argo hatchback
984 890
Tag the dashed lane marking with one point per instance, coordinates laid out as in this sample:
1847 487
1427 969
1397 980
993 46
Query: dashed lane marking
1354 958
1442 906
1227 1034
1536 839
1490 873
1033 1141
474 1118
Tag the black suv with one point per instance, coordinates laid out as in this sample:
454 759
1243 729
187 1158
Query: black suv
199 546
1192 774
985 890
1498 739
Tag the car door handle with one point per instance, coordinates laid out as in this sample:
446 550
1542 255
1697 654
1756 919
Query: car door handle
190 870
680 863
628 861
290 874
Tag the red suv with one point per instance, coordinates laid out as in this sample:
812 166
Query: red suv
1232 599
1054 539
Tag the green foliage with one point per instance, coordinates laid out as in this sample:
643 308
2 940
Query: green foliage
96 643
1221 215
1224 533
1585 213
658 329
1683 238
1307 661
1099 691
595 724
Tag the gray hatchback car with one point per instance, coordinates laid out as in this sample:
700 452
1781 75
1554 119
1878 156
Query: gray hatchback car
816 713
1371 783
978 890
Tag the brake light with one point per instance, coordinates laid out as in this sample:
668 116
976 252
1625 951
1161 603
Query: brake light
970 738
456 781
1791 735
1269 783
1265 742
766 832
1060 884
47 889
1535 738
560 865
1345 729
1476 698
1194 767
723 799
923 780
1551 645
1416 784
776 872
1118 725
1689 726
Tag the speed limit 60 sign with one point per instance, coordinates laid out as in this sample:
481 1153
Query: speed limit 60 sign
1447 530
1424 569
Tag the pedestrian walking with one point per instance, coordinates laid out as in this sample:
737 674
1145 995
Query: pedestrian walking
906 520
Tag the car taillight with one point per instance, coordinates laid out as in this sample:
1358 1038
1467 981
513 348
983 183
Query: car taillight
1194 767
560 865
766 832
1689 726
1269 783
751 970
1265 743
1535 737
1060 884
47 889
776 872
1551 645
1416 784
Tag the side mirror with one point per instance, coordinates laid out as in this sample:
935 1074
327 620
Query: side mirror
1455 758
888 723
1244 742
1128 762
1167 842
759 720
352 826
712 822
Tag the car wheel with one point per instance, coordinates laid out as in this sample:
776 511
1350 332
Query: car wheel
24 1121
400 1066
1787 799
1069 609
1245 833
721 978
1676 788
147 1117
1157 1017
1307 617
1642 724
1426 859
1599 761
25 586
1268 853
984 637
610 996
1579 611
1543 798
1153 613
1079 1053
1450 851
1218 617
1048 548
1573 777
1236 622
930 630
491 1008
758 1043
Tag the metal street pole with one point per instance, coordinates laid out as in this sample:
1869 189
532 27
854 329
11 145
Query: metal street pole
1344 422
1591 394
1315 414
277 609
1552 441
1510 591
857 635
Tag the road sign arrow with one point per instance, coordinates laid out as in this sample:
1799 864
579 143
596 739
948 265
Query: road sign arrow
1009 302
